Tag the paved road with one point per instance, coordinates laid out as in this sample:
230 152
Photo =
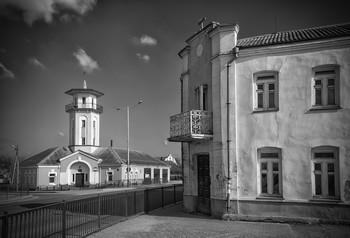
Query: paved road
172 222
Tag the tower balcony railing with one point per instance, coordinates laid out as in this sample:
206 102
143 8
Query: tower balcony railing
190 126
82 106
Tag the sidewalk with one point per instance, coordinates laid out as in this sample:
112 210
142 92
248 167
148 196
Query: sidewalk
172 222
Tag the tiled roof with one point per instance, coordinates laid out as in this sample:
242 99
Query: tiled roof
47 157
284 37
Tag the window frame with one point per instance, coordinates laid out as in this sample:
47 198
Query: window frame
323 73
324 161
52 175
201 94
265 78
269 172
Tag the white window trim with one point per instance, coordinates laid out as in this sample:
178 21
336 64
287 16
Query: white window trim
324 86
270 171
52 174
265 82
323 161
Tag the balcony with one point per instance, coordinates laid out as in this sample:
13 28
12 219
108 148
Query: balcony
83 106
190 126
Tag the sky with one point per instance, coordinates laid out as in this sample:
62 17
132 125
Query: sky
127 49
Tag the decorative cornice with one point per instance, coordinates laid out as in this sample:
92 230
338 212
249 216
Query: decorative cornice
184 51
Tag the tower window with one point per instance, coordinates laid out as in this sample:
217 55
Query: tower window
201 94
84 100
83 140
83 123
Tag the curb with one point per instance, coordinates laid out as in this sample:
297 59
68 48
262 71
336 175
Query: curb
280 219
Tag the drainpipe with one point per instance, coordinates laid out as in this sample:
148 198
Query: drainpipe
228 103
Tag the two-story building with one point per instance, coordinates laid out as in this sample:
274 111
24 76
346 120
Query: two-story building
265 122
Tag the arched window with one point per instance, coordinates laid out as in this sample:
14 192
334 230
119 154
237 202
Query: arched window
270 171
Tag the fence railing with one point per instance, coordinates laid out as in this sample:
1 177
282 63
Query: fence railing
80 218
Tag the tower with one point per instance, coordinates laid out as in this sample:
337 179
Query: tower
84 119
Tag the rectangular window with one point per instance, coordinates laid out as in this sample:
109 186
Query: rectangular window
201 95
270 172
83 141
109 176
266 91
325 172
52 177
325 86
84 100
83 124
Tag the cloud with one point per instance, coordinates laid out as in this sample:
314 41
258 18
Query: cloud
33 10
36 63
145 58
85 61
6 73
145 40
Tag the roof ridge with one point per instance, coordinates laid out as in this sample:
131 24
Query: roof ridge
296 30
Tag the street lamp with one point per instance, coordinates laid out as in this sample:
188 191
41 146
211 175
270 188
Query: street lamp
127 142
15 147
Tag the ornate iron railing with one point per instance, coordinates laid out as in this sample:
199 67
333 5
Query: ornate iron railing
191 125
93 106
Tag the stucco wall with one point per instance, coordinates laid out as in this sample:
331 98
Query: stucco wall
293 128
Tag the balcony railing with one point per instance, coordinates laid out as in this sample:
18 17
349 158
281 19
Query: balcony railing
191 125
82 106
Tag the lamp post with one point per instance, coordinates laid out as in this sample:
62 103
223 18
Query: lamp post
15 147
127 142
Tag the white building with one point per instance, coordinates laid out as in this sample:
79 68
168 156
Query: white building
84 162
265 122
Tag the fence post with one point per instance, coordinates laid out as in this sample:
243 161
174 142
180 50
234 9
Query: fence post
64 219
5 227
162 197
8 190
134 202
99 210
174 194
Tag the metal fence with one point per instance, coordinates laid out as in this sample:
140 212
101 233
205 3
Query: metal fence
80 218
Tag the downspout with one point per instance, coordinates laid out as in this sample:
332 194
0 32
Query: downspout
228 103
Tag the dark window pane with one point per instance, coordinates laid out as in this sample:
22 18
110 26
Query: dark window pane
271 86
276 188
269 155
324 155
330 167
274 166
260 100
260 87
263 166
323 72
266 77
318 184
264 183
271 100
318 97
331 96
331 187
318 82
330 82
317 167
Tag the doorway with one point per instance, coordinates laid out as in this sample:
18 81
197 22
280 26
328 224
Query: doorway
203 184
79 180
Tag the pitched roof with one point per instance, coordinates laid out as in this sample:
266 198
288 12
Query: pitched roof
137 157
108 155
292 36
47 157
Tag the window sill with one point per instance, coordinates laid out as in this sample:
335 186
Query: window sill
324 108
265 110
325 200
273 198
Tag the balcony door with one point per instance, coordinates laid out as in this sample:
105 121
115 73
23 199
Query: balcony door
203 184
